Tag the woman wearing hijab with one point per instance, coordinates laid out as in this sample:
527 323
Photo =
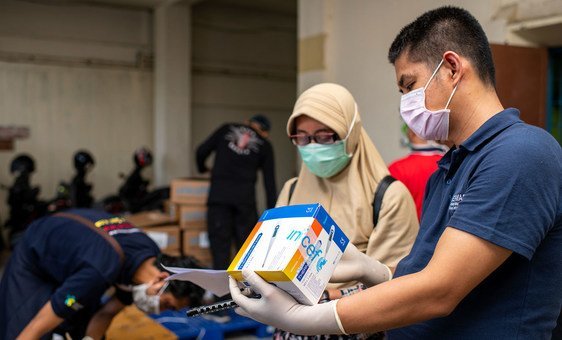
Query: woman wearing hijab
342 169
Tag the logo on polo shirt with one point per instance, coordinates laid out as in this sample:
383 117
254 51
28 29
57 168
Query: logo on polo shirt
455 201
71 302
116 225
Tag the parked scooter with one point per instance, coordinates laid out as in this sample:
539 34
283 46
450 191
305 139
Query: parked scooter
23 199
80 190
134 195
24 204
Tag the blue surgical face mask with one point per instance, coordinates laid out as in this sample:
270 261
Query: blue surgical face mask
327 160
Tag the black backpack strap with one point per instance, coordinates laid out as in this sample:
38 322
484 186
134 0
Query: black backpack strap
379 194
292 189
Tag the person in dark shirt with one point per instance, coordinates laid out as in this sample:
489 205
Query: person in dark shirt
58 277
240 151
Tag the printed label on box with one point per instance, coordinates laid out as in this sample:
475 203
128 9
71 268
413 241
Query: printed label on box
296 248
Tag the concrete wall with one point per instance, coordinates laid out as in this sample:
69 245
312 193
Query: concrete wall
354 40
70 73
244 62
81 66
74 32
105 111
75 73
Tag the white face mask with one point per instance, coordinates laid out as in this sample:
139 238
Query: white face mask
429 125
147 303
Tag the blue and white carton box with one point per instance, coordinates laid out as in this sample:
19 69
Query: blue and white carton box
295 248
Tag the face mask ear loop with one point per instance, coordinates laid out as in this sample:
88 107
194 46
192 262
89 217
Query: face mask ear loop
351 128
163 288
433 75
451 96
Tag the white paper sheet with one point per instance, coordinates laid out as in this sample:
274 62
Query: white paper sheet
215 281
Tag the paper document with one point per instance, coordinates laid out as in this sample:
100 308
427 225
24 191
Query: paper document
215 281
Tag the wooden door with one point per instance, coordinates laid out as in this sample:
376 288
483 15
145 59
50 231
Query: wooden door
521 80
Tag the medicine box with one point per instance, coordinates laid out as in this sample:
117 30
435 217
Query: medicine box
295 248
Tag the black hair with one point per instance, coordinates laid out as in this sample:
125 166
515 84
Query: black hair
445 29
182 289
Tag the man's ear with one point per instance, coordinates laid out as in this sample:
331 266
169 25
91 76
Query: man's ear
454 65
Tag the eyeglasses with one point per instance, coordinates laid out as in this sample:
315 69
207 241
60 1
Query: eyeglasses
319 137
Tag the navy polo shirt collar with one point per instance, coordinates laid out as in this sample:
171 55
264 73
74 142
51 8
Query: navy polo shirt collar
490 128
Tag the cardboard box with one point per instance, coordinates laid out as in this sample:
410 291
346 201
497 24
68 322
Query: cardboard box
173 252
131 323
172 209
193 217
196 244
150 219
294 247
168 238
189 191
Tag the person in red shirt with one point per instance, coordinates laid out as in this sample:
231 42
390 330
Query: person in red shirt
414 170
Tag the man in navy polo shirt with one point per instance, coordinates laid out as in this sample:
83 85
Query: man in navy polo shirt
59 272
487 260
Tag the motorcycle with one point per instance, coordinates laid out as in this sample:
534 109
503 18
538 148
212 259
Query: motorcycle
26 207
133 195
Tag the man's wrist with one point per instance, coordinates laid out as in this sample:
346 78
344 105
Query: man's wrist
390 272
376 273
337 317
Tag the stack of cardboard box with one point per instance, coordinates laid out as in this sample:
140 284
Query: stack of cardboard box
188 202
162 228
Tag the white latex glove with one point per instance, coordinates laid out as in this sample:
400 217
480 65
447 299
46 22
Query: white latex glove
356 266
279 309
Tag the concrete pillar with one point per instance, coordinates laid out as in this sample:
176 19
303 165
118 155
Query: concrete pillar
315 22
172 92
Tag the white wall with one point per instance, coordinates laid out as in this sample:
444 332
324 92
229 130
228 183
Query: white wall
244 62
69 73
105 111
77 76
358 35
